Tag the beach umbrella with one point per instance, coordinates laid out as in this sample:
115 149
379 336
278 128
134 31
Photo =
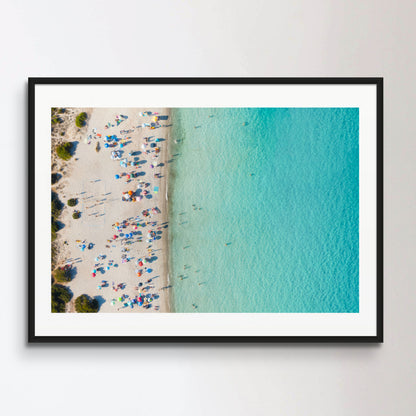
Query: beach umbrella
140 263
130 193
94 271
149 270
108 267
113 302
93 274
128 176
121 145
114 237
117 224
120 299
135 227
117 176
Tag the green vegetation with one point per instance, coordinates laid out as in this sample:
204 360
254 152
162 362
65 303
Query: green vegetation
85 304
60 296
64 151
62 274
76 215
54 252
56 206
55 178
55 227
56 209
57 120
72 202
81 119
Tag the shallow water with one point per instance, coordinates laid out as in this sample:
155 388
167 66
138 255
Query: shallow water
264 210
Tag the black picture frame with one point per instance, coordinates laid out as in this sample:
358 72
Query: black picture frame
33 338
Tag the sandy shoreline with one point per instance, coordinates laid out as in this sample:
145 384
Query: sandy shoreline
90 177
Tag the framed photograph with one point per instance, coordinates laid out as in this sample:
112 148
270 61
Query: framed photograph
205 210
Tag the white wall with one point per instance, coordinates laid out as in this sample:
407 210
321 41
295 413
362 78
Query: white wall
212 38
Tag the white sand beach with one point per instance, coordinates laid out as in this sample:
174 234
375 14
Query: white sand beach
90 176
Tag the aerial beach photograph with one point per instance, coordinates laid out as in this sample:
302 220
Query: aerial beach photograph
204 210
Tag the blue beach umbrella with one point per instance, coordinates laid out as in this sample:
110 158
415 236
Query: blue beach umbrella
117 176
105 145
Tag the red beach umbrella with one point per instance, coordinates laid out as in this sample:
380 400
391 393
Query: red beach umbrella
140 263
93 274
114 237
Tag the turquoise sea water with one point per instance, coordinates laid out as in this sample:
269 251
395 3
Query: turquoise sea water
264 210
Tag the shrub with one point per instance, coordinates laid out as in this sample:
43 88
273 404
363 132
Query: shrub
72 202
62 274
55 227
80 120
56 207
54 252
55 178
64 151
86 304
76 215
60 296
